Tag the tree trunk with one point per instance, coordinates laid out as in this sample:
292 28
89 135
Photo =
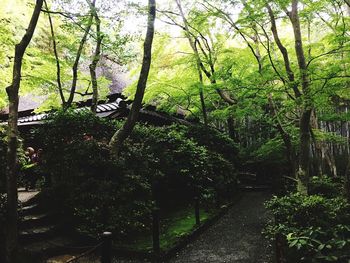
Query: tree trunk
204 108
58 66
347 2
284 53
77 59
95 60
12 158
303 173
120 136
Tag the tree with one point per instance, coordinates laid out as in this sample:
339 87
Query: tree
95 59
12 159
120 136
78 55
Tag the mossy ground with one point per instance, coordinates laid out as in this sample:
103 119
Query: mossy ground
174 225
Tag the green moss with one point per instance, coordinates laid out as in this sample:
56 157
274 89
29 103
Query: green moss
174 225
179 225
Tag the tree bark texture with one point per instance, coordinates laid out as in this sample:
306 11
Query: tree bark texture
119 137
95 60
77 59
58 66
12 158
292 83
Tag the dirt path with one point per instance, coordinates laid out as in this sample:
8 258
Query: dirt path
235 238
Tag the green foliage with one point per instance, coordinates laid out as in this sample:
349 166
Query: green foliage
181 164
158 166
214 140
272 150
316 229
77 160
326 186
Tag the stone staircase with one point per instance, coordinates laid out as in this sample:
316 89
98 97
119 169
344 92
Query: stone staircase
42 234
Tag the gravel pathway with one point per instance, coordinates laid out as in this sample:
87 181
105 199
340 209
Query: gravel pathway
236 237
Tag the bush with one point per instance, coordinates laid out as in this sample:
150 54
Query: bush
182 167
325 186
316 229
98 193
157 164
214 140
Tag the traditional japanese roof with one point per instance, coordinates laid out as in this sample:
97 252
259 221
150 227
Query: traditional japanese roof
116 106
103 110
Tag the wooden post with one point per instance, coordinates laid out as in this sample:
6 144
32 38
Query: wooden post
196 211
106 252
155 231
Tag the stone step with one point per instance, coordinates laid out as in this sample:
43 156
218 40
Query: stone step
36 220
28 197
29 209
37 233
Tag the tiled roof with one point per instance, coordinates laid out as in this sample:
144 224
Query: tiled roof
102 110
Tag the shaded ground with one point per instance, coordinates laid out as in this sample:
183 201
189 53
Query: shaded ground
236 237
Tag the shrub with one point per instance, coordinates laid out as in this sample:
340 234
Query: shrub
214 140
325 186
316 229
183 167
98 193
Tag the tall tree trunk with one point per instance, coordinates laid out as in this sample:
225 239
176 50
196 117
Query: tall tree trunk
95 60
58 66
77 59
303 173
120 136
12 158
